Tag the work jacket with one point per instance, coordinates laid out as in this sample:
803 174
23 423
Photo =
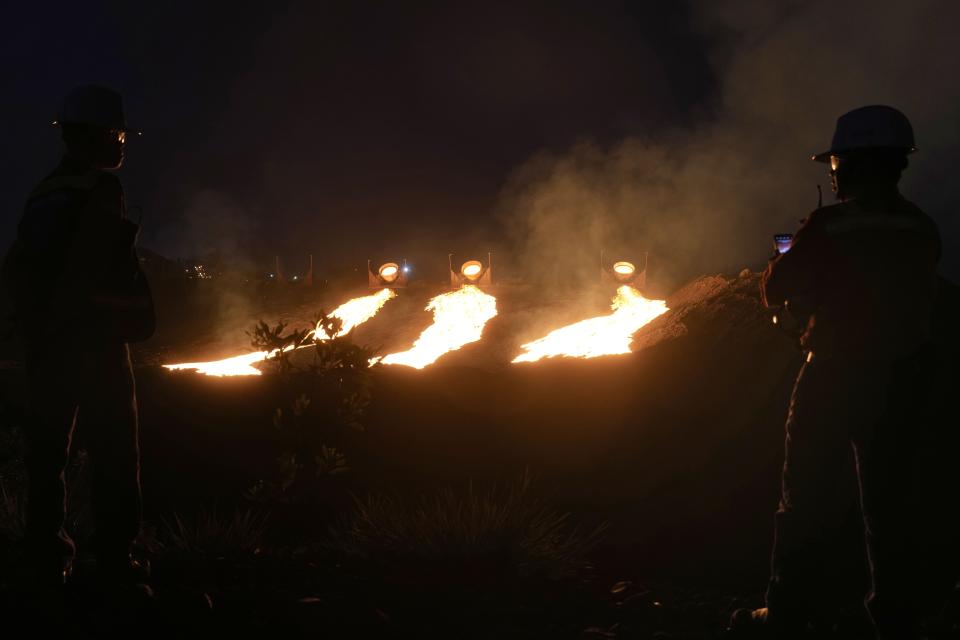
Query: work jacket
73 271
865 272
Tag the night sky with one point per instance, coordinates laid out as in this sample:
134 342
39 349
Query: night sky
539 130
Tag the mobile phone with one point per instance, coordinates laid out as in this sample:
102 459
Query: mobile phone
782 242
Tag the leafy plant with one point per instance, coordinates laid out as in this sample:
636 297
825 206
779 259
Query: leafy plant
276 343
323 389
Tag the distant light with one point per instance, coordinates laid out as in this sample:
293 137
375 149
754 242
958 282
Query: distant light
406 269
296 277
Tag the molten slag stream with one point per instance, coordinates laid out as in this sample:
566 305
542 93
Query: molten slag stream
351 313
600 336
458 319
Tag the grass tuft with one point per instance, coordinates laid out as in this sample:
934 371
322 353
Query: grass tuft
212 534
498 530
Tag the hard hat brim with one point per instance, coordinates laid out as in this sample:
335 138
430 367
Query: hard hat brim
57 124
822 157
825 156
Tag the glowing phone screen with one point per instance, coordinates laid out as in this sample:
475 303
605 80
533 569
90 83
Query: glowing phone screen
782 242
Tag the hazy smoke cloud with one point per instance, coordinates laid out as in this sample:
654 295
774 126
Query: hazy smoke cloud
214 227
385 130
223 234
708 197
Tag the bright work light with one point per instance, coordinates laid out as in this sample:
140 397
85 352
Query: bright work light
472 270
389 272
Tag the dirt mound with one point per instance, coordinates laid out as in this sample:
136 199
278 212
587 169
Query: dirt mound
681 437
714 306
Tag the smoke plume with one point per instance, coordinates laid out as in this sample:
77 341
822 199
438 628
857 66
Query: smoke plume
707 197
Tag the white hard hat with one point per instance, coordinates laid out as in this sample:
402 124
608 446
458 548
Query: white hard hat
871 127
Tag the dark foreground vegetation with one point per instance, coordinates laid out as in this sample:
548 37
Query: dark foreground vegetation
626 497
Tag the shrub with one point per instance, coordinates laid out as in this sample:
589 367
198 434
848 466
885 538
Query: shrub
318 398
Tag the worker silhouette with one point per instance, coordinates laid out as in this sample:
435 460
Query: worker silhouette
79 297
864 274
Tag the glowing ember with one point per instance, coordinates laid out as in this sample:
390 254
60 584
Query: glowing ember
352 313
600 336
624 268
458 319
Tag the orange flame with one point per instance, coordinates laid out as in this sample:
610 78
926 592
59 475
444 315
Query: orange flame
351 313
241 365
600 336
458 319
355 312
